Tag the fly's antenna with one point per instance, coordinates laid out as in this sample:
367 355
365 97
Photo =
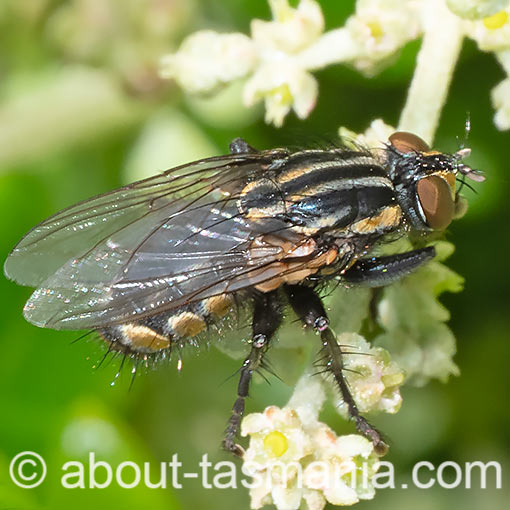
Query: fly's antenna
467 130
464 152
467 171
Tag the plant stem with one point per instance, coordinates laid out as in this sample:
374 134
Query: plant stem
442 41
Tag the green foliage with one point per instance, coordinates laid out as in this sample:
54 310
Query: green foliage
413 320
71 127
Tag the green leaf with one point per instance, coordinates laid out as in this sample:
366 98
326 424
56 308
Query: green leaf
413 320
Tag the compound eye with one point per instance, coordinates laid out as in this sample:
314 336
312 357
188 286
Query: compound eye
436 201
408 142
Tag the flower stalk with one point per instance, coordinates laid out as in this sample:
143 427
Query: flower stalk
439 52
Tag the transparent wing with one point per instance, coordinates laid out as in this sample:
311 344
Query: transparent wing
151 246
86 226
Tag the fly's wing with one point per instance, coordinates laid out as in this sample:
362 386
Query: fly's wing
148 247
73 232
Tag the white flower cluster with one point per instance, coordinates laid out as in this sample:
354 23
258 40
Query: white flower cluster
277 60
414 321
373 378
299 461
271 56
281 53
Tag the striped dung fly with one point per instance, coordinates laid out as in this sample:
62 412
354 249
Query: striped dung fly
155 263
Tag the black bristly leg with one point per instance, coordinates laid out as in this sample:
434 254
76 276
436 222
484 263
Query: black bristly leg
381 271
267 317
241 146
309 308
377 272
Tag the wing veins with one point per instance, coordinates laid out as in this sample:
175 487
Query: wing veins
155 229
167 188
99 214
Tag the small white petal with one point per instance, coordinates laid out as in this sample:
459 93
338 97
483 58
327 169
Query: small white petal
292 29
314 500
260 496
276 108
339 493
324 477
253 423
286 498
304 90
353 445
308 398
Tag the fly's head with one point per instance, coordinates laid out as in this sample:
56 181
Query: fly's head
425 181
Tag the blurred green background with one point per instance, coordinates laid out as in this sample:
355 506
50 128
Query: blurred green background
81 112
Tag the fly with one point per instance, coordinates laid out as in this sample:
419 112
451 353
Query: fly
153 264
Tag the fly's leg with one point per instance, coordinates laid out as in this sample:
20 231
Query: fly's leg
267 317
309 308
241 146
380 271
377 272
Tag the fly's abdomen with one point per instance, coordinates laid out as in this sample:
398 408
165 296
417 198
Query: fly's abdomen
159 333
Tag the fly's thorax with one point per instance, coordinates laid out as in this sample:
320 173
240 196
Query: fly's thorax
317 191
159 333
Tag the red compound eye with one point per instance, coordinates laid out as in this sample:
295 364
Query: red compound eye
408 142
435 196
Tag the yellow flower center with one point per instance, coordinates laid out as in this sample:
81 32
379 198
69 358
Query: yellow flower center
276 443
281 10
390 380
282 94
375 29
496 20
